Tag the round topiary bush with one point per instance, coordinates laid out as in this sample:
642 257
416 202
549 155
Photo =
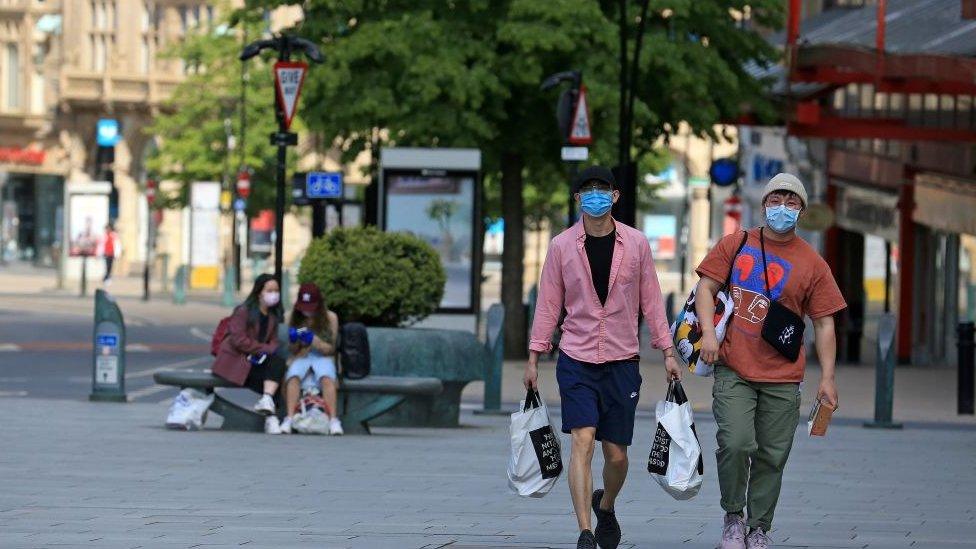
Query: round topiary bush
373 277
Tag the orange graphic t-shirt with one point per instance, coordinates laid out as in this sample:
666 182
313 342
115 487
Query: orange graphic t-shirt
798 278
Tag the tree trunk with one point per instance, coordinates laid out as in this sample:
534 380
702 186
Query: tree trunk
513 255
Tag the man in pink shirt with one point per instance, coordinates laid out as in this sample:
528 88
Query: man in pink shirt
602 273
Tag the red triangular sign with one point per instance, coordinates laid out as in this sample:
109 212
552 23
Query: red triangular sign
289 77
580 133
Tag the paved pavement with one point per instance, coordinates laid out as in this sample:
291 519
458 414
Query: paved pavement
78 474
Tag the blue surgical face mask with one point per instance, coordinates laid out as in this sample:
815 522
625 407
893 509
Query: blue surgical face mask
596 203
781 219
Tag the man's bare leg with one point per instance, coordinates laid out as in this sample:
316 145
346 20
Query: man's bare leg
580 475
614 472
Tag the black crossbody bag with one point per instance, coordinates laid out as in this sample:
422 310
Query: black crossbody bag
783 329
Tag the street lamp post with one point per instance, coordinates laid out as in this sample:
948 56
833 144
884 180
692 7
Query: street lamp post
574 126
284 45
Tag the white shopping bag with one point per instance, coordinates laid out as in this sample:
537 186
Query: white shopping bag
536 462
675 461
312 417
189 410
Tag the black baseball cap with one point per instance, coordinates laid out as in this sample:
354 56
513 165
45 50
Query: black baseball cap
594 173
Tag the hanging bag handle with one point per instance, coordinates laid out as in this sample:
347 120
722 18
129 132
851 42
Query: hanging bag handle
531 400
676 393
762 246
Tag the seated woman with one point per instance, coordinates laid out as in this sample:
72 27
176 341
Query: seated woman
248 355
312 355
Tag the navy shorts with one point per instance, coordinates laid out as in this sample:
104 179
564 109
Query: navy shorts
599 395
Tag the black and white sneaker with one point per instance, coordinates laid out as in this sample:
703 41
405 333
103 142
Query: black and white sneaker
607 528
586 540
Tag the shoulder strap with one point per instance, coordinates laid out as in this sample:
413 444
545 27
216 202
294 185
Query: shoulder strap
762 246
728 278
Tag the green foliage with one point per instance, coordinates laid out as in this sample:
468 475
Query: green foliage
380 279
467 73
191 131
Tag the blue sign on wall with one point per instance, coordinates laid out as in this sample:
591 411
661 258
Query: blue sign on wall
108 132
323 185
764 168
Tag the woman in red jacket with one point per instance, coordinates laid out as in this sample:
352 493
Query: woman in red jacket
249 355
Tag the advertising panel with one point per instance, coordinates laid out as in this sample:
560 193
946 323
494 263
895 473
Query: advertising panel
438 209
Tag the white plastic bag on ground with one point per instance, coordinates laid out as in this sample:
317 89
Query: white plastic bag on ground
312 417
536 462
189 410
675 461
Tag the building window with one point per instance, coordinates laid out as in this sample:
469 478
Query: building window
104 17
146 56
13 76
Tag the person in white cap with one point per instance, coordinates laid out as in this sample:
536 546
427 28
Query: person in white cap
776 279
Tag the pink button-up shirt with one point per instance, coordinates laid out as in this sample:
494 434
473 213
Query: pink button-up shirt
593 332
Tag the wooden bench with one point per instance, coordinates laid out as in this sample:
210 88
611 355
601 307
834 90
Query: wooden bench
389 392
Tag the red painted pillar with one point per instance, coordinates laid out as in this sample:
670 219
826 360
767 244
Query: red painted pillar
906 267
832 240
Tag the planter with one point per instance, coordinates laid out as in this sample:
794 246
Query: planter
455 357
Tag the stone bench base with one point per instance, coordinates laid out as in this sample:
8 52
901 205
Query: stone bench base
381 394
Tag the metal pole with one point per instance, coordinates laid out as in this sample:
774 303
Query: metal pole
145 270
622 153
964 346
283 55
280 200
571 210
884 386
887 298
84 275
241 163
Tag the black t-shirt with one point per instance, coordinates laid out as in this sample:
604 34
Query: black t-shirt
262 327
599 252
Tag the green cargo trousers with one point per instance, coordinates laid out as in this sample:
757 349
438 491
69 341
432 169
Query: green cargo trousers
756 424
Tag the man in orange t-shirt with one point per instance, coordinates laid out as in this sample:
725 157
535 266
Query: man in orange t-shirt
756 391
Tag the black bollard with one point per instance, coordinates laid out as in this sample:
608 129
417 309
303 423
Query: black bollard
964 346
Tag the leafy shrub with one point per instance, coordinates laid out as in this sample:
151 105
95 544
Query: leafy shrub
373 277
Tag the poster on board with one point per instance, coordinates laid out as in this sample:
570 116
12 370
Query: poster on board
205 239
88 218
438 209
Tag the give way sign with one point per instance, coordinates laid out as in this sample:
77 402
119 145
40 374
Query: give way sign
579 132
289 77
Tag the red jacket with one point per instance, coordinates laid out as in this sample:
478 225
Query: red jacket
243 339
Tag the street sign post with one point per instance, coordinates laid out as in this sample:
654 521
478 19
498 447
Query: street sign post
579 133
320 185
573 118
243 184
575 154
289 77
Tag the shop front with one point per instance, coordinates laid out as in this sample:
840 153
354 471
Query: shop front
31 207
945 250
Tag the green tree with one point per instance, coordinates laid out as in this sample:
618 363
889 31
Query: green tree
467 73
380 279
192 128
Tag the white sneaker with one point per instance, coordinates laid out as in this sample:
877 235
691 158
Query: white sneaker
265 405
286 426
271 425
335 427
